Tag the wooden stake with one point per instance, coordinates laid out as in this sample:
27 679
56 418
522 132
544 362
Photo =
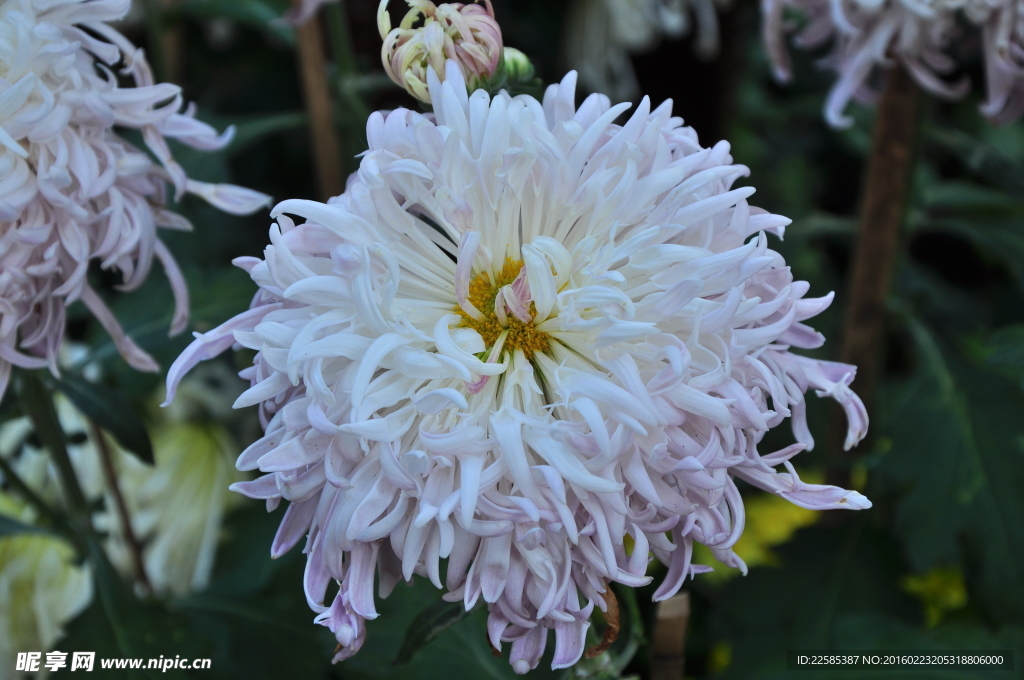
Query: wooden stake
174 48
320 109
887 185
668 639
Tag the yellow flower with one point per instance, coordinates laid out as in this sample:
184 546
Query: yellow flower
940 591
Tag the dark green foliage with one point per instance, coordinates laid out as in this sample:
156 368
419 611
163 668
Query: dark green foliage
107 409
9 527
431 622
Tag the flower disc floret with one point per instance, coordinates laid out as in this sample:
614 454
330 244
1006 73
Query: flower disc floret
500 330
404 433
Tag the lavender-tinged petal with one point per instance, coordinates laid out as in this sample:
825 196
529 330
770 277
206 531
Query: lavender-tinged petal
294 526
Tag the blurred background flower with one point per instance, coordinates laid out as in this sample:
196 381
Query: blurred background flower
74 191
177 505
42 587
602 35
927 39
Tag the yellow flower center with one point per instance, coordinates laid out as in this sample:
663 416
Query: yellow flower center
482 292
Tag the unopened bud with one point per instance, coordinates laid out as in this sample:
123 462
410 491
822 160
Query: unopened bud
468 34
518 68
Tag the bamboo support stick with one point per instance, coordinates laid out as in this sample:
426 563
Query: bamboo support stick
320 109
668 639
887 186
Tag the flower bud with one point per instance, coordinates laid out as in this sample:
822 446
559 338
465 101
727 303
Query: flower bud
518 68
467 34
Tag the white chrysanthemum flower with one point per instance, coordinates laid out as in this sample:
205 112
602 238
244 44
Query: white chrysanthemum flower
41 588
602 34
71 189
866 36
523 334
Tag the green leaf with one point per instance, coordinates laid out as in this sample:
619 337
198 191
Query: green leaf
251 130
825 575
459 652
1005 349
972 199
9 409
110 411
10 527
256 13
118 625
877 632
431 622
822 224
956 464
984 160
1001 238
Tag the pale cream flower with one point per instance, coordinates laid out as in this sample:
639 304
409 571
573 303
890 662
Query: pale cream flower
177 505
41 588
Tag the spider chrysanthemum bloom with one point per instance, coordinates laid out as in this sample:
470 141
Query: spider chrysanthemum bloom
867 36
430 34
71 189
1002 33
522 335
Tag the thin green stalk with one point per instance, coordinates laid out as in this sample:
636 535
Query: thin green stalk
114 487
37 402
341 39
49 515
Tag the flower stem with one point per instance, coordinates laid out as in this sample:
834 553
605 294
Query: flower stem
38 404
341 39
322 135
886 188
110 473
51 516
